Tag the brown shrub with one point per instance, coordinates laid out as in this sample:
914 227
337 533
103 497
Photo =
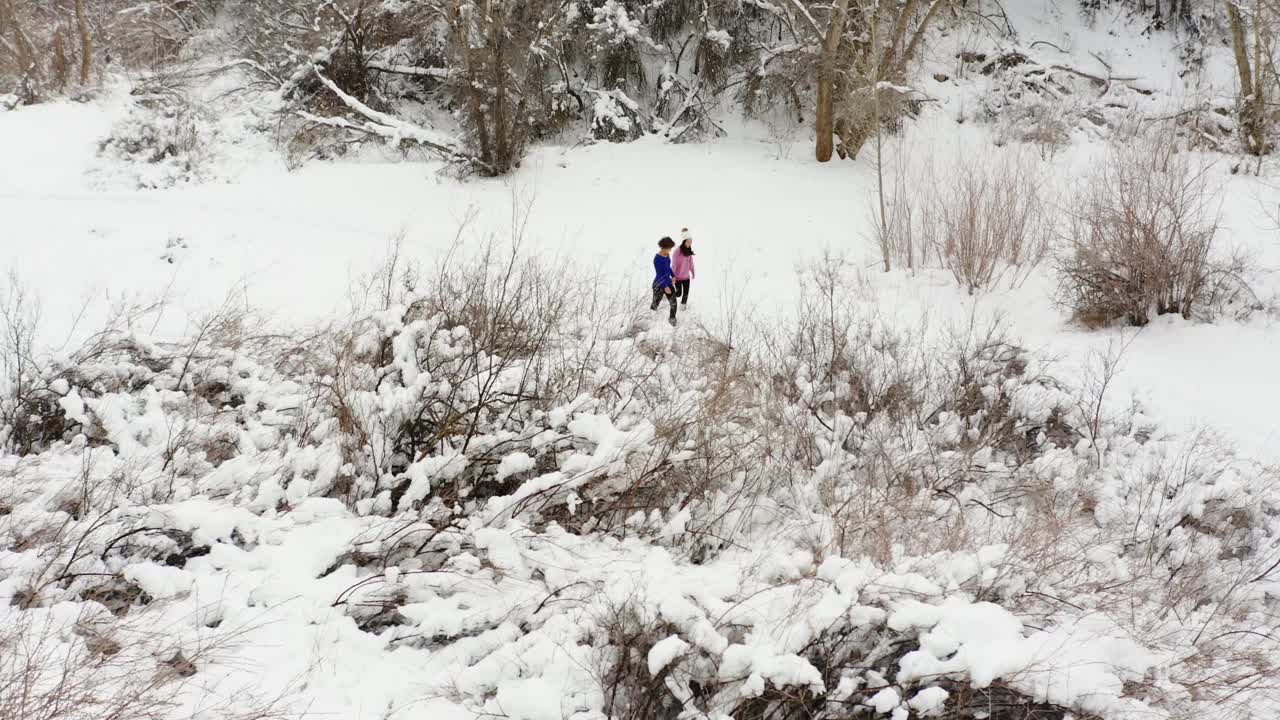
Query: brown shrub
1140 241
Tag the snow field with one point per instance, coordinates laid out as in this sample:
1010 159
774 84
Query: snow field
225 500
293 244
323 581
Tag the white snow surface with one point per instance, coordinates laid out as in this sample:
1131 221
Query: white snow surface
292 243
664 651
520 605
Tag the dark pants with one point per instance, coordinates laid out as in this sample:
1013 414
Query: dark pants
682 291
658 294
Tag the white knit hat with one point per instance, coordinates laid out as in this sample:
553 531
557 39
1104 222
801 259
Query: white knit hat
684 234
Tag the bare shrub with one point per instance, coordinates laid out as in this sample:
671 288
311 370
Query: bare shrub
30 416
991 219
98 667
43 677
901 217
983 219
1140 241
151 34
1190 494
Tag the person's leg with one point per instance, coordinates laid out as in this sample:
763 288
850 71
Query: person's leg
657 298
672 300
684 292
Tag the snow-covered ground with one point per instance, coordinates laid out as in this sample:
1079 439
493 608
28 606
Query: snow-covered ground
293 243
507 622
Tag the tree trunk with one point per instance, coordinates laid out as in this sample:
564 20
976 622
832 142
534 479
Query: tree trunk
824 118
502 159
859 132
1261 135
1251 120
917 39
824 115
24 53
61 69
86 43
28 66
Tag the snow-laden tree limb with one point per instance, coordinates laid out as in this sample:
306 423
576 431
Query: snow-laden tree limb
251 64
804 12
384 125
768 54
439 73
894 87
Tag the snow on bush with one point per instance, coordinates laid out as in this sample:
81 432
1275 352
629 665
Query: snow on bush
479 500
614 116
614 24
159 142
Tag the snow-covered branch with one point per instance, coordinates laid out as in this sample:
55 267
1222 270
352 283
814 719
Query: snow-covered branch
768 54
439 73
804 13
384 125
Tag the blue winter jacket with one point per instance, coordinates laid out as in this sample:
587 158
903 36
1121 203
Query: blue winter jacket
662 271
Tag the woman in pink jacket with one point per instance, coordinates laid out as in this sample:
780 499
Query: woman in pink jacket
682 265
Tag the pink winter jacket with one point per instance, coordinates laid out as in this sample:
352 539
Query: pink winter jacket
682 265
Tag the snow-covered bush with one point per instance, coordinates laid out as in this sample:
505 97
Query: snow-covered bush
39 402
614 116
1044 124
1029 95
161 141
892 423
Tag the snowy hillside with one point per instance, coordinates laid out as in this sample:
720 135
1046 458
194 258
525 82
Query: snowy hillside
361 438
